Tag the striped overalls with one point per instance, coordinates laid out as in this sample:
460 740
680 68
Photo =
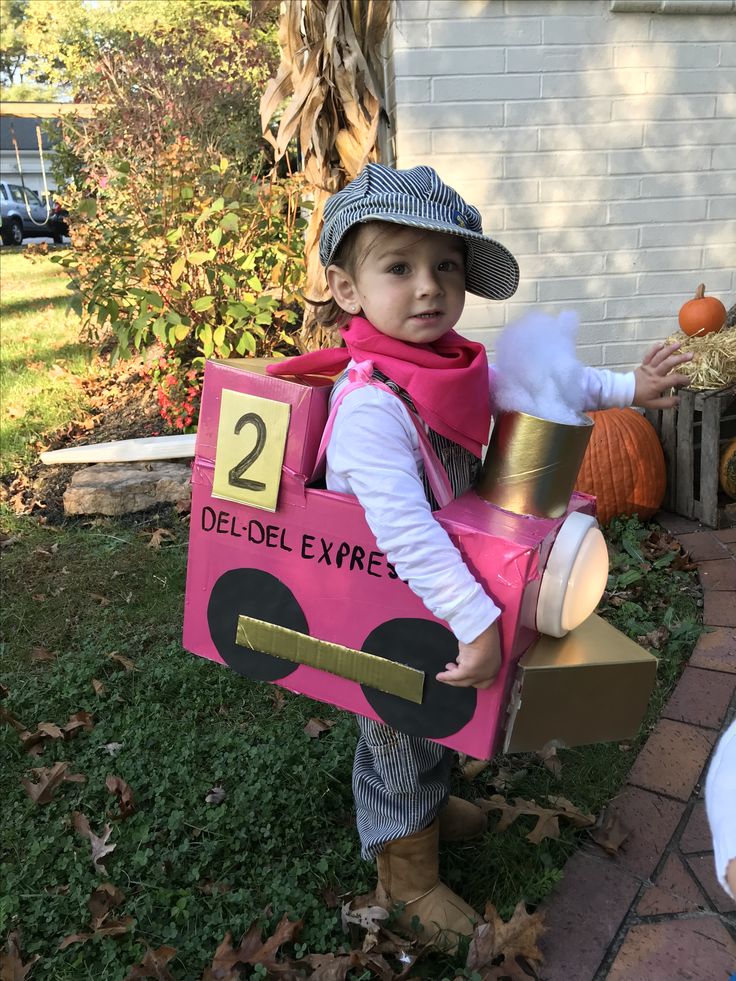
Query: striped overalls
400 781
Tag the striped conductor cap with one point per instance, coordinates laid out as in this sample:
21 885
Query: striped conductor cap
420 199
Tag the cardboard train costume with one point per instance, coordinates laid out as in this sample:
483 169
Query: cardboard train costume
286 583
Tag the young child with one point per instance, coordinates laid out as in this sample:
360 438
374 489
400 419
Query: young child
400 249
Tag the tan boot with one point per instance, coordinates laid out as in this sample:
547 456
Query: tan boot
461 821
408 873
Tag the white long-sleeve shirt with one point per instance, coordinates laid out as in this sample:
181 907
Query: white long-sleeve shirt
374 454
720 804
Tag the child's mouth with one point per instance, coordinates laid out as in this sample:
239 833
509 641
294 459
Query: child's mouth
432 315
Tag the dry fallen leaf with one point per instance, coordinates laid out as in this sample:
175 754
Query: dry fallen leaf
210 888
99 688
153 965
49 780
100 848
516 938
80 720
610 832
368 918
8 717
11 965
508 779
473 768
124 794
99 598
105 897
102 900
113 748
315 727
547 825
160 536
549 757
42 653
329 967
215 796
252 951
125 661
278 697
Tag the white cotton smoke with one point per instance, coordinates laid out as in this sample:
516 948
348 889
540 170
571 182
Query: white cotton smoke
537 371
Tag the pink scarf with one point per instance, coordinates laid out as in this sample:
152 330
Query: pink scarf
447 380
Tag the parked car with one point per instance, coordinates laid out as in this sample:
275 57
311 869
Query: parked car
25 215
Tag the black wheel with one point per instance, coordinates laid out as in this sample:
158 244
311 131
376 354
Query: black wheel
258 594
427 646
13 235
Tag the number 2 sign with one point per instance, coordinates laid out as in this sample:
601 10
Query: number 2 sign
251 439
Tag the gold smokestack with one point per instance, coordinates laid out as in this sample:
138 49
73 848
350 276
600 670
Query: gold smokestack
532 464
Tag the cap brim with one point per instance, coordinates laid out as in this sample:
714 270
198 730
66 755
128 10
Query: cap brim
491 270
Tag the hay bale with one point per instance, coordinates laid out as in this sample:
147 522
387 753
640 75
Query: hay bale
714 358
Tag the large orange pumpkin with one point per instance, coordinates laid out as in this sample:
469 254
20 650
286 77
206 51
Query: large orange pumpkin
624 465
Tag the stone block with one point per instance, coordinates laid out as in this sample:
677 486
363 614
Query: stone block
696 836
716 650
651 821
703 546
583 915
672 759
673 892
718 574
701 697
121 488
696 948
704 871
719 609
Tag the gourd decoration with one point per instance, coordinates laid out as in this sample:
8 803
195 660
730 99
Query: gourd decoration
727 470
623 466
702 315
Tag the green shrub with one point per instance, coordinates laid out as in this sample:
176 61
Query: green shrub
208 265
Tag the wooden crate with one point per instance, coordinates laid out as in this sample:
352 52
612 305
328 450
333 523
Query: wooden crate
692 436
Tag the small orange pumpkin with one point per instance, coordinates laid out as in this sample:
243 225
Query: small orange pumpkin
702 315
623 466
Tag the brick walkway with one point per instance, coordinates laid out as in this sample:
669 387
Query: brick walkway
655 912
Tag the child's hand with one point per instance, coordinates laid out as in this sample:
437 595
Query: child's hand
653 377
731 876
477 663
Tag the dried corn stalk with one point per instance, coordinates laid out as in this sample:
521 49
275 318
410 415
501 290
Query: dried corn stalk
330 71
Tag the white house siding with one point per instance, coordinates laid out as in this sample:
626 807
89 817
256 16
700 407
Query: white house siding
32 168
598 140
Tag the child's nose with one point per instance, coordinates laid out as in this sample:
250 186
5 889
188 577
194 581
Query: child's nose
428 283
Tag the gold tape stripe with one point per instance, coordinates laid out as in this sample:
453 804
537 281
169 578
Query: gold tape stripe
366 669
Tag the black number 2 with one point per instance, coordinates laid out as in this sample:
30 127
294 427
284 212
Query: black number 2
235 477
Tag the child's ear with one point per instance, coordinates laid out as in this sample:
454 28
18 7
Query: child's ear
343 289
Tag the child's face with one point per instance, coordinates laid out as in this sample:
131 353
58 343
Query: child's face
408 283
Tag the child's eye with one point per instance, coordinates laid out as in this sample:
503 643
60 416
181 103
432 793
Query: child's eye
449 265
399 269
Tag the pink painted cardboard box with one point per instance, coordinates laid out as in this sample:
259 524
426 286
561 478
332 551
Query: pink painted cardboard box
313 566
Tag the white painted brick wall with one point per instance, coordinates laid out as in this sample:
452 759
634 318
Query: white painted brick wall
599 145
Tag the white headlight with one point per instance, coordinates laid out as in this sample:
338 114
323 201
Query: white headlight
574 577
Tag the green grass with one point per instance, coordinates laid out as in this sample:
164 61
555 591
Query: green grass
283 839
37 333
